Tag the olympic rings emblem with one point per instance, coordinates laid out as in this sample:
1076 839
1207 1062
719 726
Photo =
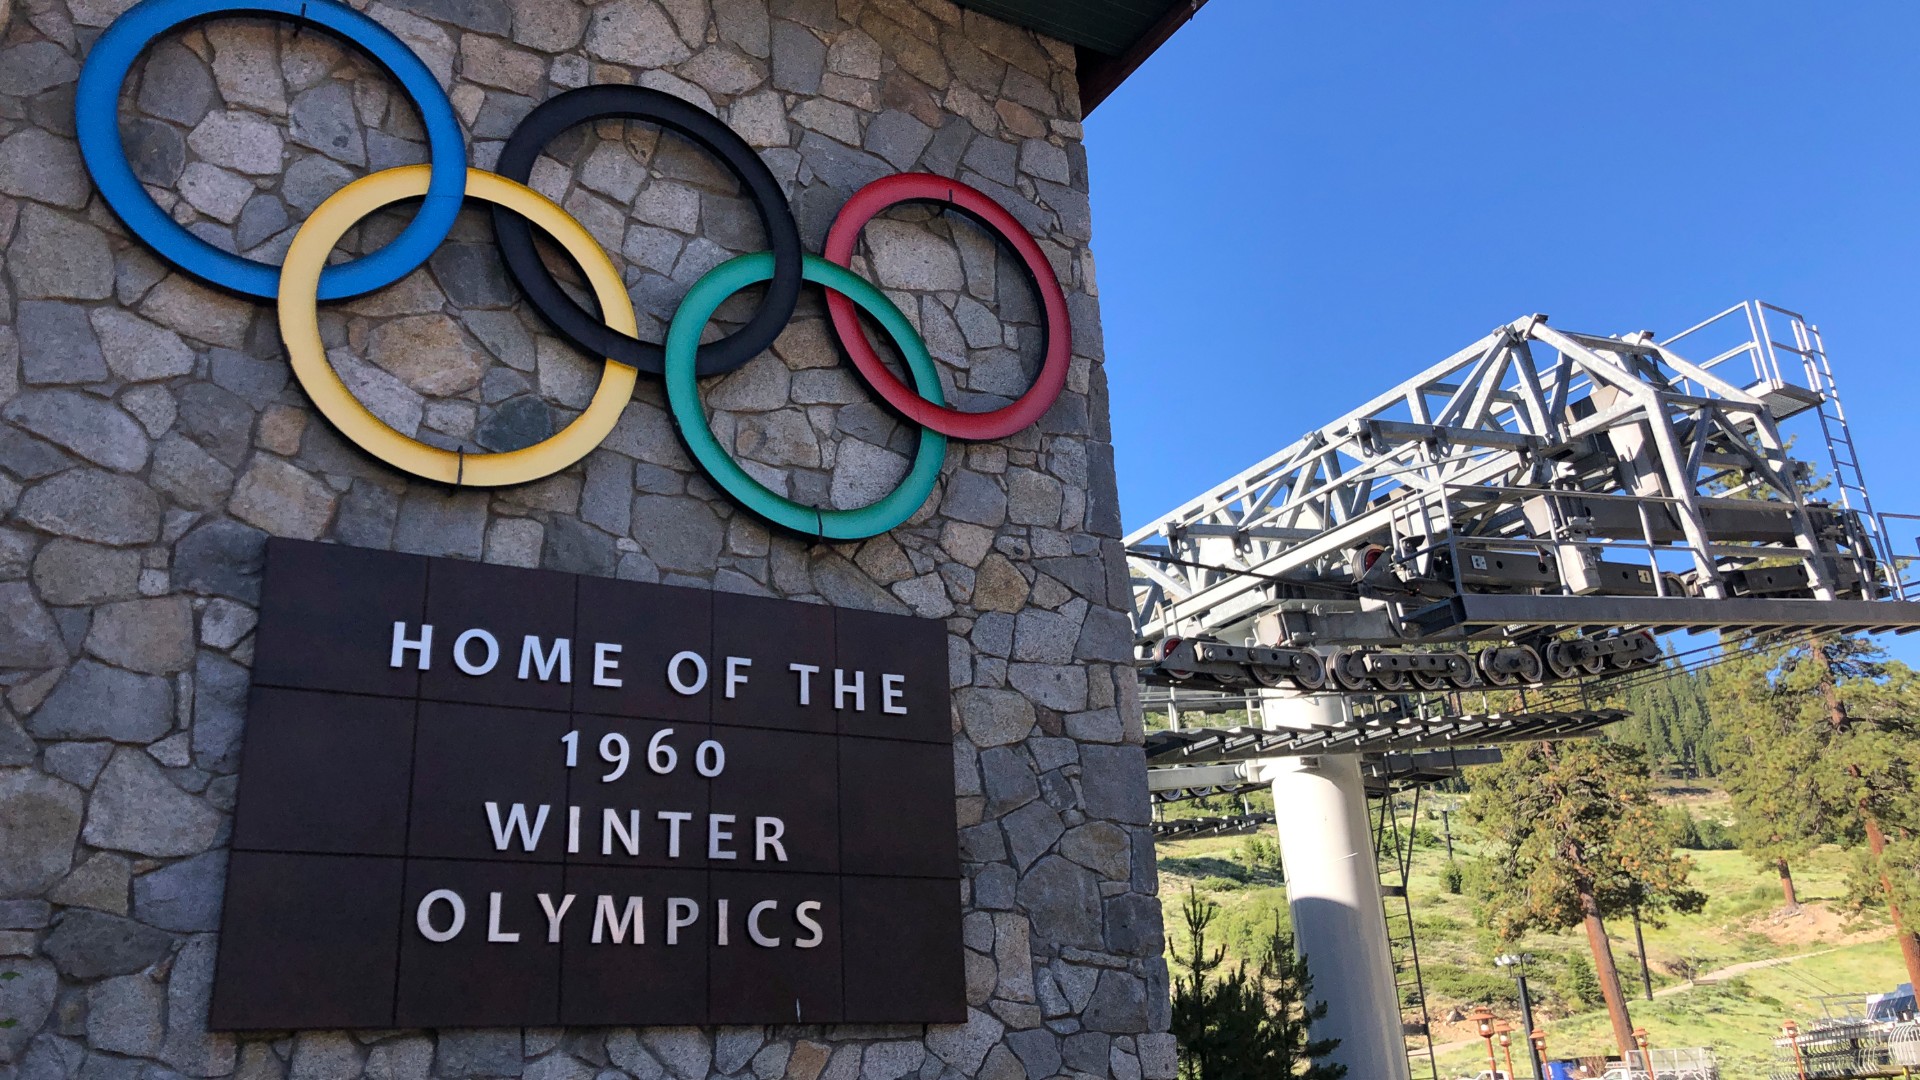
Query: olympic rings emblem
443 185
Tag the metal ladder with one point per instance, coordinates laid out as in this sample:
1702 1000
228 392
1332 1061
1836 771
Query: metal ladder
1393 856
1848 479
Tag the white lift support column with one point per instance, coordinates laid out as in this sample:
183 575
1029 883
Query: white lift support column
1333 891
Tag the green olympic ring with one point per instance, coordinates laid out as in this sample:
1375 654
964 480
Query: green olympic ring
683 397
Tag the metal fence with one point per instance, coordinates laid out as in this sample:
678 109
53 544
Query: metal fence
1851 1049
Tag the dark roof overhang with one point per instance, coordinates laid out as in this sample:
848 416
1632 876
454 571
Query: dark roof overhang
1111 38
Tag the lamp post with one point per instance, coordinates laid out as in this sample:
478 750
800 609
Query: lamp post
1646 1059
1792 1031
1504 1031
1537 1045
1518 962
1483 1019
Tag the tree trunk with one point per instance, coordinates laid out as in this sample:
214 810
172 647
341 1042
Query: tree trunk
1909 941
1640 942
1786 883
1876 840
1608 972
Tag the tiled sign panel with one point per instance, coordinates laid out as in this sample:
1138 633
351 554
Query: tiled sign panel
476 795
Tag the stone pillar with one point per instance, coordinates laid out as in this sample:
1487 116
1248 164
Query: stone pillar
1333 892
151 438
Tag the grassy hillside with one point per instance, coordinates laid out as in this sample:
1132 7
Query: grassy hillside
1742 924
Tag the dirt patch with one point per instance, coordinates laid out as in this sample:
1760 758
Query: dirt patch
1814 923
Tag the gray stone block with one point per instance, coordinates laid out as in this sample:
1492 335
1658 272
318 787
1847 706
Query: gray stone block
124 1015
993 159
1101 847
258 382
432 522
219 712
136 808
218 420
176 85
898 137
974 498
1119 1004
58 344
1113 780
634 32
25 914
1060 687
90 504
157 152
94 701
1133 925
1064 901
367 515
407 1058
577 548
91 427
734 1047
1031 832
262 217
154 636
39 821
221 558
34 68
77 762
799 58
37 164
1008 779
311 179
1038 1050
190 1047
93 944
33 639
323 118
28 999
473 275
677 533
517 422
1087 1052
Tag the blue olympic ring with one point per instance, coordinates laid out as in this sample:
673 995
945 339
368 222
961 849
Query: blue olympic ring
99 134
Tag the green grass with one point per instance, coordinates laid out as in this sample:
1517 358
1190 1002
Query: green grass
1738 1016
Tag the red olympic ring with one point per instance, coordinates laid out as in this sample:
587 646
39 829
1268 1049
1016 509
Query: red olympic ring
925 187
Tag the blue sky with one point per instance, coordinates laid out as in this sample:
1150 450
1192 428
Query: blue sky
1297 205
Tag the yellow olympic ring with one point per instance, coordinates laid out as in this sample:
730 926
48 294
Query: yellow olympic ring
300 330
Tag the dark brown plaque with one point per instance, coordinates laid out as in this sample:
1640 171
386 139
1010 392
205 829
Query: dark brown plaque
481 796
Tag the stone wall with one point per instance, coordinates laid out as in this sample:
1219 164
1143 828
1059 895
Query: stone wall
150 437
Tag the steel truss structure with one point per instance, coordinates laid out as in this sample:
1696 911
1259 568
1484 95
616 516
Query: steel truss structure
1534 507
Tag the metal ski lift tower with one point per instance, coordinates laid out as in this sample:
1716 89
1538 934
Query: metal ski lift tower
1537 507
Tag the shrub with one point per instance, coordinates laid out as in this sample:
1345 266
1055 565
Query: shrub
1260 854
1453 878
1452 983
1578 984
1695 834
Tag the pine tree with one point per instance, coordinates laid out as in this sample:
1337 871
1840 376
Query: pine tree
1217 1021
1241 1027
1873 771
1771 772
1291 1048
1827 738
1581 841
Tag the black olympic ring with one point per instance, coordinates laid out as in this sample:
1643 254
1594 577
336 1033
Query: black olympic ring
586 330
